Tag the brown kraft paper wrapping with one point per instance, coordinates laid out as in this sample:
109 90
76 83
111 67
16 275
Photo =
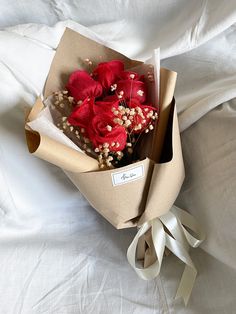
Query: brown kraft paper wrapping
135 202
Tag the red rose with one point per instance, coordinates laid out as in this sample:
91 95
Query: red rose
104 130
132 89
107 73
142 115
82 85
97 120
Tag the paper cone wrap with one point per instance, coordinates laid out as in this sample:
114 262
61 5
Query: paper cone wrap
132 203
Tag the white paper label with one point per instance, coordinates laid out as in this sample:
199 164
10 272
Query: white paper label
123 177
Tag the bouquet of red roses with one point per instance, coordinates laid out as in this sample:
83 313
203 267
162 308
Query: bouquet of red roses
105 112
111 124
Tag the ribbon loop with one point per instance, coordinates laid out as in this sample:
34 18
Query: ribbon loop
158 235
170 231
190 222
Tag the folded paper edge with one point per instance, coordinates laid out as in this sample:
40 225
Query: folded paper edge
173 183
54 152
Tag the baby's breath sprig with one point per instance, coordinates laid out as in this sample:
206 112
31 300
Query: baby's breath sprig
89 64
107 158
61 107
126 116
150 74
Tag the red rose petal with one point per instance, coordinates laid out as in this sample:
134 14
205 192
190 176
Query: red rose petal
132 90
82 114
101 107
82 85
108 72
110 98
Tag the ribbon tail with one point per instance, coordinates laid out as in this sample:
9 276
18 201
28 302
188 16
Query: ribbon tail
190 272
169 230
186 284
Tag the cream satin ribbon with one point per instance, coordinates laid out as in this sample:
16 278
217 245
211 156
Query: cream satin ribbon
175 221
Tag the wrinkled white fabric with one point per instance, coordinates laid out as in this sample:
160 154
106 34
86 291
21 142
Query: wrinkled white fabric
57 254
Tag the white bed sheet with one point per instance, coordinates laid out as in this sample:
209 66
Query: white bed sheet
57 254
